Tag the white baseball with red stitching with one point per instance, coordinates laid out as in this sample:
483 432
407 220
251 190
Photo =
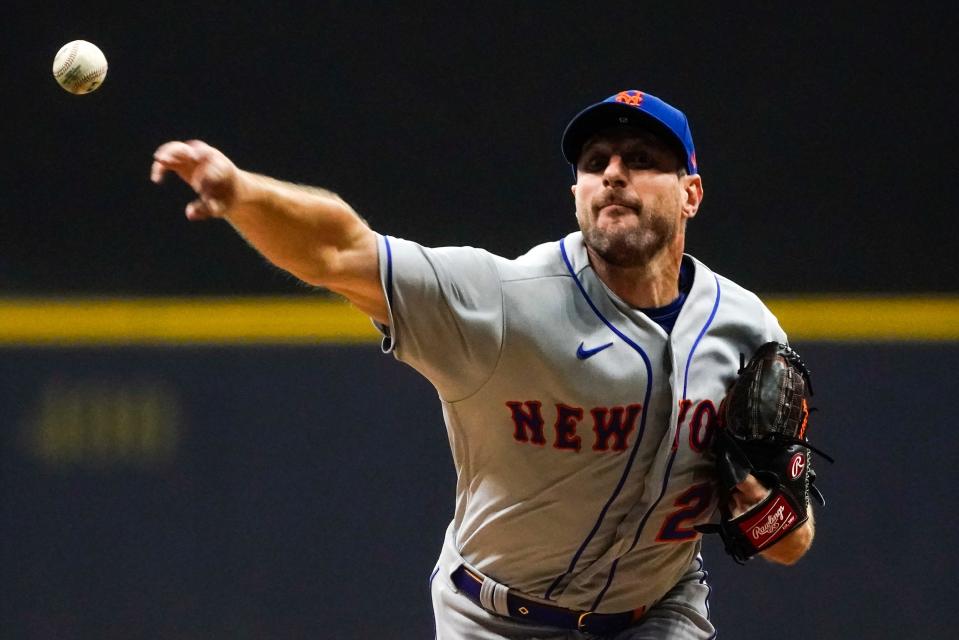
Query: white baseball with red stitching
80 67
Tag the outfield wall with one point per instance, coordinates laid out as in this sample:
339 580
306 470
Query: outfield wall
271 491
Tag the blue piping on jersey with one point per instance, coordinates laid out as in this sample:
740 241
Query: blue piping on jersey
709 321
642 423
389 273
388 332
639 530
672 456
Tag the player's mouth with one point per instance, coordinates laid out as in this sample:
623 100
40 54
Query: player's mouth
616 209
616 204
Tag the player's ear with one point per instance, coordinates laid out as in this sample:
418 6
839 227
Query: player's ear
693 189
572 188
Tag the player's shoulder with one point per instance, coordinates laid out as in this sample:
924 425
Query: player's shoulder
731 292
541 261
738 303
545 260
399 248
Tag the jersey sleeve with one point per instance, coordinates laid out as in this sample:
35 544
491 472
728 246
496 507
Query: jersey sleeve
773 329
445 313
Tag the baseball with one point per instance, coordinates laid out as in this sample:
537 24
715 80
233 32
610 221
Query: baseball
80 67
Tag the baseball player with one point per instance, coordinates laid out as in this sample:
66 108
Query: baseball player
580 383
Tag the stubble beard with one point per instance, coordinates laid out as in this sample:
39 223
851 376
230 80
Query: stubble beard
629 247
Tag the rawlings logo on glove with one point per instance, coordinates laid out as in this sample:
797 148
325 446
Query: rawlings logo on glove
765 416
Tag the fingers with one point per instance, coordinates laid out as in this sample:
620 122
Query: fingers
183 158
196 210
174 156
202 167
204 209
156 171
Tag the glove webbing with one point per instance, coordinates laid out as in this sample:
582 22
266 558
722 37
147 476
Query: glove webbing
791 357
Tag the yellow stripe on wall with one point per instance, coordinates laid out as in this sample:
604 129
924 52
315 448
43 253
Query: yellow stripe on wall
170 321
931 318
181 321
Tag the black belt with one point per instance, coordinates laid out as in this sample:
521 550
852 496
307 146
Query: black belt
522 608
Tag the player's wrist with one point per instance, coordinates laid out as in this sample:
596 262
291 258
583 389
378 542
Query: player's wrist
248 191
746 495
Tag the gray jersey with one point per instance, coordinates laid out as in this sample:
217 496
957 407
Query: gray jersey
579 429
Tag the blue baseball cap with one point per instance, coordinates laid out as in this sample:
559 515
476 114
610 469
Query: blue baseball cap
630 107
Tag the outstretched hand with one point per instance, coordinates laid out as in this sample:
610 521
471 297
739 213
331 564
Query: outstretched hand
209 173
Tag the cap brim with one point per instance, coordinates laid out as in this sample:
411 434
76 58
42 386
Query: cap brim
603 115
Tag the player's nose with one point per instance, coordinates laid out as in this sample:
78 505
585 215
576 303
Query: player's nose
615 172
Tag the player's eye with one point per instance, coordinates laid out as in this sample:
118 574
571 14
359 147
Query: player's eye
638 159
593 163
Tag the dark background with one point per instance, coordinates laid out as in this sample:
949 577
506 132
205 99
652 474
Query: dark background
308 489
825 135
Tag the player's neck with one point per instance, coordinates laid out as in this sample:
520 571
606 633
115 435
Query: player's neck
654 284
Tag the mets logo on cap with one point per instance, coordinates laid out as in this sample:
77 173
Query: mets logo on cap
632 98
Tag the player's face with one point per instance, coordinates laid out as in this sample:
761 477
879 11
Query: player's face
631 195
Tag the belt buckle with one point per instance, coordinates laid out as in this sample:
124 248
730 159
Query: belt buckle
581 622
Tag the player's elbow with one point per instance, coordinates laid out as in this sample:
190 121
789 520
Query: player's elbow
335 265
318 267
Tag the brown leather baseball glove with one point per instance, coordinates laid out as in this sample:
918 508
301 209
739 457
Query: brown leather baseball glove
765 417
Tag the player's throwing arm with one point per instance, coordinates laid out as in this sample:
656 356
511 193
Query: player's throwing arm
311 233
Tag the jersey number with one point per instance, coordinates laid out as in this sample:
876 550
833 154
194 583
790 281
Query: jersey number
691 504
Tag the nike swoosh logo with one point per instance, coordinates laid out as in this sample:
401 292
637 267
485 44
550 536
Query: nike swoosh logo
583 353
